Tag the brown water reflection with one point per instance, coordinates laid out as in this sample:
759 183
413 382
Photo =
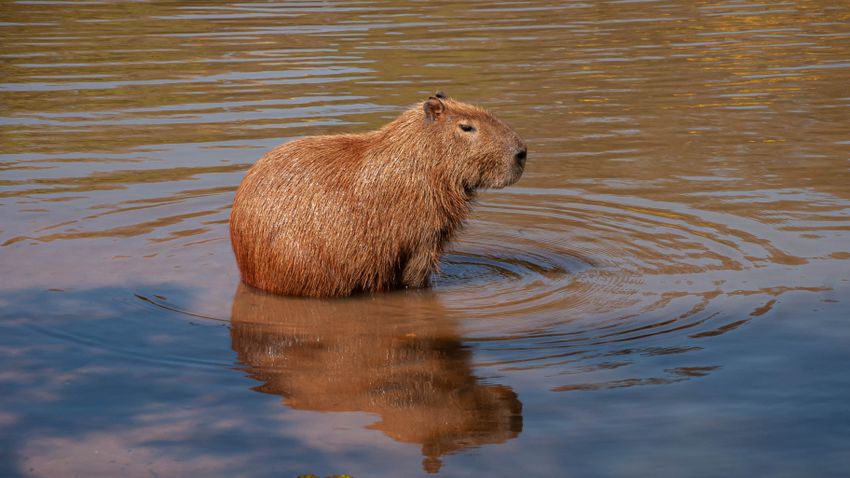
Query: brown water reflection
683 222
398 357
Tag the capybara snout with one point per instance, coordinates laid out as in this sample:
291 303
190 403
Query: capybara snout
333 215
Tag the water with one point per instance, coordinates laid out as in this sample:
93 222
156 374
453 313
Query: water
664 293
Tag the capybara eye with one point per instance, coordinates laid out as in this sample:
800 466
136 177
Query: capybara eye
467 128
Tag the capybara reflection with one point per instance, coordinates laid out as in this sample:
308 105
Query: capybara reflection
336 215
398 357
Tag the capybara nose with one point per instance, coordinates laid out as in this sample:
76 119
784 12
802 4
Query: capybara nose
520 156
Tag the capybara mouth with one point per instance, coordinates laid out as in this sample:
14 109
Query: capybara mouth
517 169
516 176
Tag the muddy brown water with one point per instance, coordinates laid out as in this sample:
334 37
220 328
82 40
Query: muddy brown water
664 293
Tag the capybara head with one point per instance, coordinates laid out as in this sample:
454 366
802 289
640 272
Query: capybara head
486 152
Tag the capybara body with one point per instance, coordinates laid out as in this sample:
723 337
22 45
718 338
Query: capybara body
334 215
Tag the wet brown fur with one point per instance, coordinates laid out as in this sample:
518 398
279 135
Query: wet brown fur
335 215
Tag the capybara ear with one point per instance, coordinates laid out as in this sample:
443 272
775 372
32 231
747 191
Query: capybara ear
439 94
433 108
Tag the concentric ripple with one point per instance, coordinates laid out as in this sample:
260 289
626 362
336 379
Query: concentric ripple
582 278
580 253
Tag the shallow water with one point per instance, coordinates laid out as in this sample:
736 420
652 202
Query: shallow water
665 292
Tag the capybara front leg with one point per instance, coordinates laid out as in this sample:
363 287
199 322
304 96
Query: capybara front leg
417 271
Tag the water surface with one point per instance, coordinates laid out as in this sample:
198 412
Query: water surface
665 292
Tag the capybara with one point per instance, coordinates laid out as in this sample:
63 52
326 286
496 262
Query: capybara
335 215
